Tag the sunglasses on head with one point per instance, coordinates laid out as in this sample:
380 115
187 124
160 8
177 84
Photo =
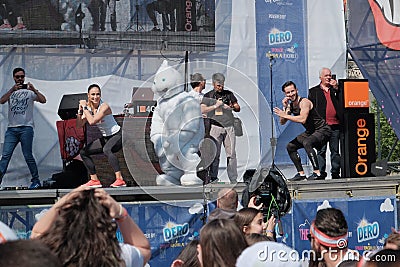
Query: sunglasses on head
19 76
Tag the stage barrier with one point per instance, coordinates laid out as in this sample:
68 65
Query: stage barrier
169 226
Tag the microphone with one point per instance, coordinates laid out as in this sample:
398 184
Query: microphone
270 55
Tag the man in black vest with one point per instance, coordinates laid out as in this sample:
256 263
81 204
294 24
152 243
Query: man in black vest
325 98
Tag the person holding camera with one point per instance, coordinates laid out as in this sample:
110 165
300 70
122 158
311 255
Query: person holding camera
325 98
20 100
218 104
317 131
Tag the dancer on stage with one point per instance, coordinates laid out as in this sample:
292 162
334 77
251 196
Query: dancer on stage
95 111
317 131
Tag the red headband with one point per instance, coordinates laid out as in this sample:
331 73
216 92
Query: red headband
326 240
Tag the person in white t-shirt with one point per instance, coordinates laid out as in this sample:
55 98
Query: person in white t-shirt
20 99
198 83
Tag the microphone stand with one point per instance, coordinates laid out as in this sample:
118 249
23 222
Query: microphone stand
135 18
273 140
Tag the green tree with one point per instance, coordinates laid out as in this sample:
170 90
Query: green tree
387 135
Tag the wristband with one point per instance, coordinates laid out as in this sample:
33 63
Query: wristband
215 106
123 213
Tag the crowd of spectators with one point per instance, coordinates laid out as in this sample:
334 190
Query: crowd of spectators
80 230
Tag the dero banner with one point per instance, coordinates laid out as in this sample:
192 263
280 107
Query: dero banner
281 51
369 221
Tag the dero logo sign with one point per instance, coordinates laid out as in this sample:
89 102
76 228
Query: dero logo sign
277 37
173 231
367 231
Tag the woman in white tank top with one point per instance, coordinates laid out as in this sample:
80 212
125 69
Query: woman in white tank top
96 112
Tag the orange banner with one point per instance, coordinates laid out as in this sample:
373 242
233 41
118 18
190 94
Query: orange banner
356 94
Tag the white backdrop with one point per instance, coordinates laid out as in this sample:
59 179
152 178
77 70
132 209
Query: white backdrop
235 56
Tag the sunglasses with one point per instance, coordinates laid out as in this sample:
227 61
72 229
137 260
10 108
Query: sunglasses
19 76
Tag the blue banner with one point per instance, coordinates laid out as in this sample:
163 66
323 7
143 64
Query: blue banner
168 226
281 53
369 220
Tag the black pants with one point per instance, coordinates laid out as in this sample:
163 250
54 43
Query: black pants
308 141
166 9
98 9
9 9
107 145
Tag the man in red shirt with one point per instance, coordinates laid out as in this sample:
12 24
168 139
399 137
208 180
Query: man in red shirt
325 98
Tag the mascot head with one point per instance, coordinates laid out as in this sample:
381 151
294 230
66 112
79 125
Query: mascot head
167 81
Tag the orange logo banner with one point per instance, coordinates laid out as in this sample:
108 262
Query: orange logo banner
356 94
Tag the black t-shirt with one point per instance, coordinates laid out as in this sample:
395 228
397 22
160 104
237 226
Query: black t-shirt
220 117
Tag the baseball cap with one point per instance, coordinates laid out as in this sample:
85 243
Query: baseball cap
6 233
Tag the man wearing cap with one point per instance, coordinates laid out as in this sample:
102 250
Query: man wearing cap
218 104
328 237
198 84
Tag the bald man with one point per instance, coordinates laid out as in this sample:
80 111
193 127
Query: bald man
227 204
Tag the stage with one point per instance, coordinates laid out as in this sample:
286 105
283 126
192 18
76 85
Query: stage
331 188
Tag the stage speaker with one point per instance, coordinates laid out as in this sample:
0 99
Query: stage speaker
74 175
69 105
379 168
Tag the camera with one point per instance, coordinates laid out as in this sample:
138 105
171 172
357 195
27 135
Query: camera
270 189
225 100
264 196
24 86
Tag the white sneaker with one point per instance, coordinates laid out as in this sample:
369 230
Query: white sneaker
164 179
191 179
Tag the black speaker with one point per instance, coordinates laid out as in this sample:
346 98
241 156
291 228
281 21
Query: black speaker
69 105
74 175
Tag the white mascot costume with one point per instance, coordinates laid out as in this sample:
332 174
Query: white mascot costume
177 129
